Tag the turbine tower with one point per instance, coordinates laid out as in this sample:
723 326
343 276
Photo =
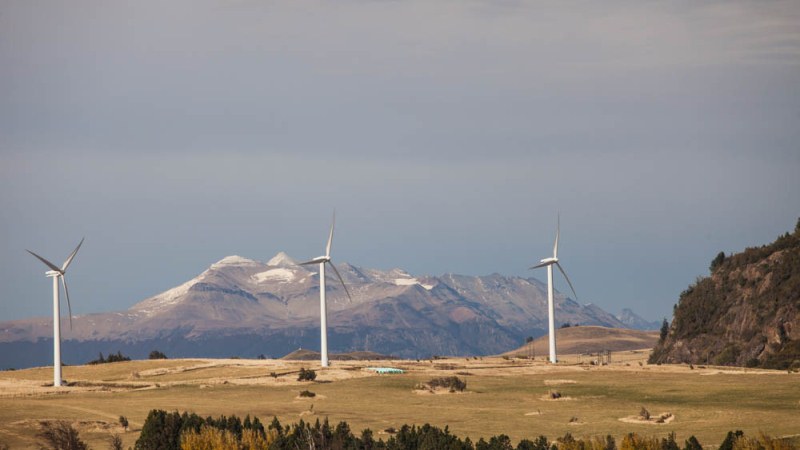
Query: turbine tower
55 273
323 307
550 262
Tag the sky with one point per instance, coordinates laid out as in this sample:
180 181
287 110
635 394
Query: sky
447 134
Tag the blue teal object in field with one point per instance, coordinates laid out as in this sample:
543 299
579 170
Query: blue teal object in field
384 370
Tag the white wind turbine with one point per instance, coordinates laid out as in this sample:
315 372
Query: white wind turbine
550 262
323 307
55 273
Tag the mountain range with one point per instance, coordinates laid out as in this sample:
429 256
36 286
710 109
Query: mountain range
242 307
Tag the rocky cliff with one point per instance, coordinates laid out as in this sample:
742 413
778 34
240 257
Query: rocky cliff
745 313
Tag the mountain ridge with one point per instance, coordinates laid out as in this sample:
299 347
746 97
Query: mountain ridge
274 306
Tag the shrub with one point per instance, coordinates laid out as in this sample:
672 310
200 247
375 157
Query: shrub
123 421
115 442
555 395
306 375
308 394
61 435
155 354
451 383
644 414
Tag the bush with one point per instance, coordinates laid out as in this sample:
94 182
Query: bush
692 444
644 414
155 354
451 383
123 421
61 435
306 375
555 395
115 442
308 394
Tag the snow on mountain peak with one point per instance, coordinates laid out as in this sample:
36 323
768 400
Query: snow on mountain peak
234 260
282 260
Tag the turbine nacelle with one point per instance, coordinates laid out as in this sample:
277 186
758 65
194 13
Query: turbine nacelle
317 260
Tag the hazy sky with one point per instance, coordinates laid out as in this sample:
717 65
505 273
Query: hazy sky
447 133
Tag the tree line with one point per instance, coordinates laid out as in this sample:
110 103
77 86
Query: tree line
172 430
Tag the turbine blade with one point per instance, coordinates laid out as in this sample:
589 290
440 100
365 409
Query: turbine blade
558 232
330 236
312 261
46 262
567 278
341 281
538 265
71 256
69 306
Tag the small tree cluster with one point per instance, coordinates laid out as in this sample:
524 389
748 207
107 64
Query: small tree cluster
306 375
307 393
119 357
163 430
155 354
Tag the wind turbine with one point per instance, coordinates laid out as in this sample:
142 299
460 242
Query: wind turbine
550 262
323 307
55 273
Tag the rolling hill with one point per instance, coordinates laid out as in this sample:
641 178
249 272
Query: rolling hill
588 339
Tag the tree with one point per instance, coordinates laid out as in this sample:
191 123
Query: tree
60 435
306 375
692 444
730 439
529 339
664 331
155 354
717 261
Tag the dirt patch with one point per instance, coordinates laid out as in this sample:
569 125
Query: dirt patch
549 398
429 391
558 382
660 419
83 426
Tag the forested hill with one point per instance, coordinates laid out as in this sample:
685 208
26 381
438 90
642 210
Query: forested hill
744 314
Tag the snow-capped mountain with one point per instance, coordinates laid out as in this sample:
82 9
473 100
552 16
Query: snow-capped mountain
239 306
637 322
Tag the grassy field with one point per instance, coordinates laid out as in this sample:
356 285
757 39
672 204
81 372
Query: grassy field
503 396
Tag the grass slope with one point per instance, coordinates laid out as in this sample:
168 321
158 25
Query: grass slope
589 339
502 396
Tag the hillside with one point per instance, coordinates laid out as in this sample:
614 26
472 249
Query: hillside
243 307
310 355
745 313
589 339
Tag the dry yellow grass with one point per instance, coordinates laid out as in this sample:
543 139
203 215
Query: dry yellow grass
503 396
